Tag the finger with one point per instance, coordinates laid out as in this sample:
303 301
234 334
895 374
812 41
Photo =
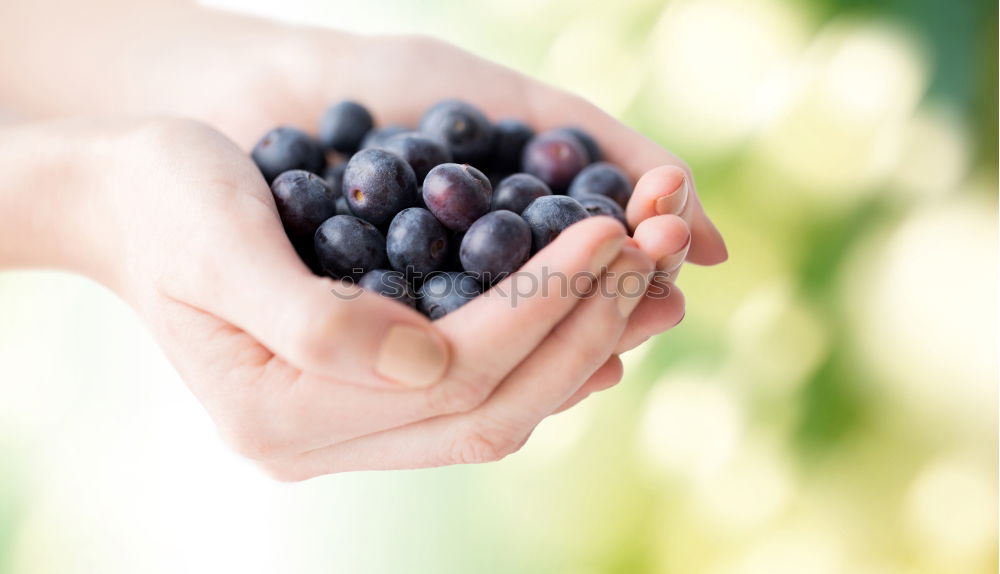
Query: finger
494 332
638 155
666 239
538 386
580 345
660 191
609 375
666 190
253 278
660 310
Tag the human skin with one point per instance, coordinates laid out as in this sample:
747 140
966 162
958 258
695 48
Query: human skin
172 216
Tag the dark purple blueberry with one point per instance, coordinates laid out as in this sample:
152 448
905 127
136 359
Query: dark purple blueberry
285 148
496 245
378 136
457 195
509 139
602 178
348 247
334 176
549 215
515 192
589 143
603 205
378 185
420 151
554 157
343 126
462 127
304 201
417 243
445 292
388 283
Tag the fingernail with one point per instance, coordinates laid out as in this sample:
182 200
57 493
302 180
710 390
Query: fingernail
675 201
673 261
606 253
412 357
631 289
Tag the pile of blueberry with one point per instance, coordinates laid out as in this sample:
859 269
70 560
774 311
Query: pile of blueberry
405 213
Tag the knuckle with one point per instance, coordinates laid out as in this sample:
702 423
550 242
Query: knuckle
467 387
250 444
616 371
582 350
485 442
251 437
459 395
253 412
636 260
163 129
283 472
310 335
422 43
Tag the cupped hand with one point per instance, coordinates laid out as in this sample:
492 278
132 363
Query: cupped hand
399 77
308 376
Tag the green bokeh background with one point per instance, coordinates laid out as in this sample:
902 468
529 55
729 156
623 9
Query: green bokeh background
828 406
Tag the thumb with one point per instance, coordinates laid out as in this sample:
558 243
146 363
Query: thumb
336 329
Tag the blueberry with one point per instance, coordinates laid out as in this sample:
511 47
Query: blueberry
378 185
509 139
554 157
343 126
378 136
589 143
420 151
602 205
417 243
462 127
348 247
388 283
445 292
496 245
304 201
515 192
334 176
285 148
602 178
457 195
549 215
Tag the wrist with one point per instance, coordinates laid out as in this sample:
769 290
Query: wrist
53 213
